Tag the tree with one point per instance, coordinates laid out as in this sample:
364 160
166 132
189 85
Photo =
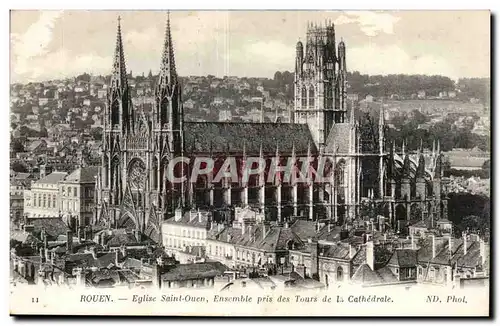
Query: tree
14 243
16 146
96 133
18 167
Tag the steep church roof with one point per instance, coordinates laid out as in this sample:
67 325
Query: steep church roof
338 138
233 137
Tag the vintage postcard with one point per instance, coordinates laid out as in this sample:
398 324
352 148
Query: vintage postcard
250 163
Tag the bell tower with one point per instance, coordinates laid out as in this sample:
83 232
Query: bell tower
319 79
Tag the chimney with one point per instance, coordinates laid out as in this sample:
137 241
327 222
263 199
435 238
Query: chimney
43 235
42 256
88 234
265 229
413 244
79 231
93 252
178 214
381 224
450 244
117 257
318 227
465 243
47 255
192 215
314 259
123 250
200 217
352 251
157 269
433 238
370 255
243 227
482 251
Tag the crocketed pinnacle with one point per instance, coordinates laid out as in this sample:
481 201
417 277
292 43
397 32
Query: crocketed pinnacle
119 74
168 75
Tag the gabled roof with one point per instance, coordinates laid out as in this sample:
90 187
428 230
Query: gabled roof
403 258
338 138
53 178
83 175
232 137
304 229
445 256
365 275
191 218
276 238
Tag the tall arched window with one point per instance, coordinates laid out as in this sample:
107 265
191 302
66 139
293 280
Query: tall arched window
340 274
340 174
311 97
304 97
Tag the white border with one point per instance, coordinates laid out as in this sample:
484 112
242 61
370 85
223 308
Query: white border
219 4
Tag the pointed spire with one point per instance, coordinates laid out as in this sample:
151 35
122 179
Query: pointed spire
434 147
293 150
381 118
352 118
438 168
421 167
390 165
438 147
403 148
406 166
119 74
168 74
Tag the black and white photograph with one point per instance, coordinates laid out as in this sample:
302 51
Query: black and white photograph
250 163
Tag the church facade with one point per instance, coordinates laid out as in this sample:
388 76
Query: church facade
133 191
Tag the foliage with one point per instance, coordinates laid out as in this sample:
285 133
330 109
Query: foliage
461 206
403 85
14 243
96 133
475 88
18 166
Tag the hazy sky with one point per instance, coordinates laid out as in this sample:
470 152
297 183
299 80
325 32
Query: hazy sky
55 44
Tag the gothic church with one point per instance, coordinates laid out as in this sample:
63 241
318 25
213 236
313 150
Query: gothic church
132 190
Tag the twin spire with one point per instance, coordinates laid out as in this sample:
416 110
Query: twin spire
168 74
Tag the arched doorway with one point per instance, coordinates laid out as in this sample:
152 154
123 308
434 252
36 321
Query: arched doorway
340 274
